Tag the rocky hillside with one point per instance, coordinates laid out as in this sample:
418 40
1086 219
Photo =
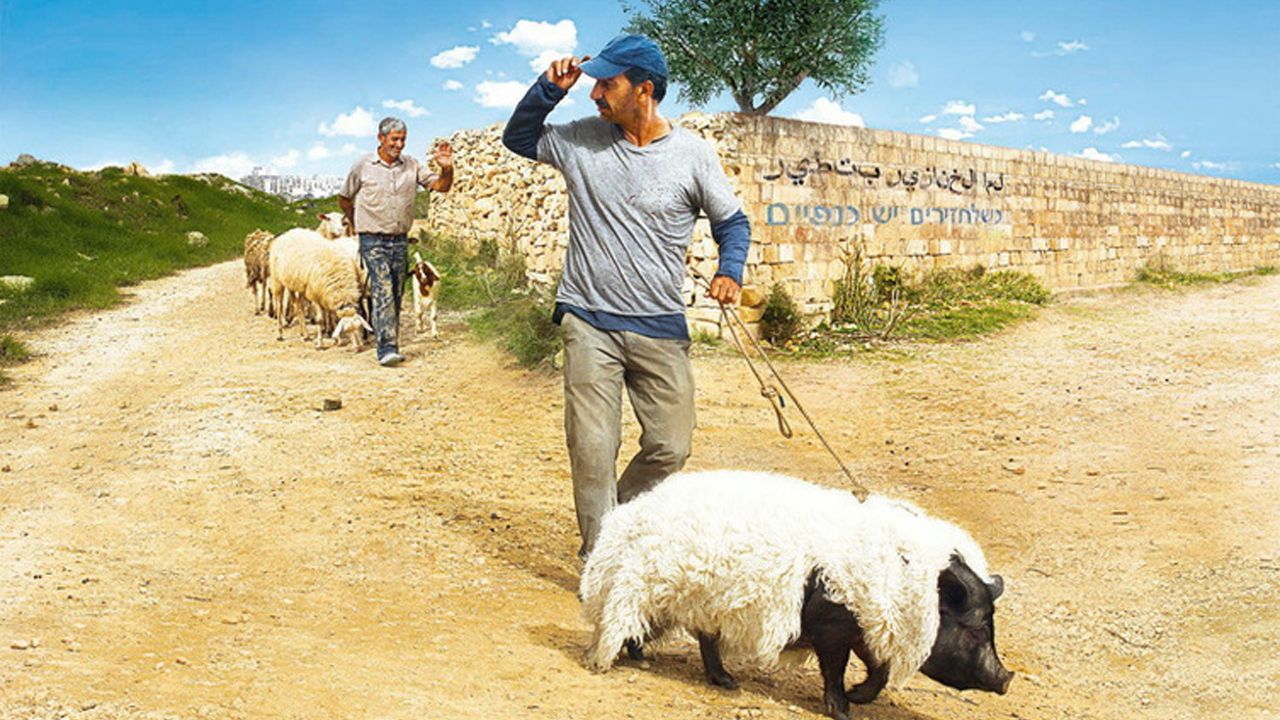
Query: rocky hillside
69 239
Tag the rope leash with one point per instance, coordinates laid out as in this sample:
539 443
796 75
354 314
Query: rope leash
769 391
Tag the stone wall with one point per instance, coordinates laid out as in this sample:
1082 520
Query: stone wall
917 202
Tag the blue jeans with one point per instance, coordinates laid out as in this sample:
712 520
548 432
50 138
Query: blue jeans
385 258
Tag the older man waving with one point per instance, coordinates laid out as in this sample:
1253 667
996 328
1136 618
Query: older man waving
377 199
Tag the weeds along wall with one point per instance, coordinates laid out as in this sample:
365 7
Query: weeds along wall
912 201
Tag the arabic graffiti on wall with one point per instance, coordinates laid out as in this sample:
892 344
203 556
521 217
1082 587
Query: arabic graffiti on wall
842 215
953 180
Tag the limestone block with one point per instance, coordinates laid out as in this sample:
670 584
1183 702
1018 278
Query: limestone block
750 314
698 326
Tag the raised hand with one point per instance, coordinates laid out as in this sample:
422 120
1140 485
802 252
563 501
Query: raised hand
566 71
444 155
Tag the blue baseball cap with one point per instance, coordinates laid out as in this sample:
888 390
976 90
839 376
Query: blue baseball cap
626 51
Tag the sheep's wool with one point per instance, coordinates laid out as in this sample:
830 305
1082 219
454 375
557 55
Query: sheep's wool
729 552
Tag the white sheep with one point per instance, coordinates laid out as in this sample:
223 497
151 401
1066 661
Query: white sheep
754 563
350 246
309 269
257 253
334 225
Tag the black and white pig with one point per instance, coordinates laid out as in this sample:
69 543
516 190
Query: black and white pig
753 564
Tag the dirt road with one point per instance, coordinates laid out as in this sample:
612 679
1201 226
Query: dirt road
184 534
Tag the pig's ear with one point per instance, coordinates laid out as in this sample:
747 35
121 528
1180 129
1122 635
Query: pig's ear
996 586
958 585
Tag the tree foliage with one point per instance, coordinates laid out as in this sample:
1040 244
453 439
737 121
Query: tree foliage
760 51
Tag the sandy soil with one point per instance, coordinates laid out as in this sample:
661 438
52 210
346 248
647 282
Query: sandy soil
184 534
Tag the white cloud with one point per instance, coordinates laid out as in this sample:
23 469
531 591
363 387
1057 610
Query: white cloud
318 152
165 167
1006 117
285 161
505 95
452 85
1064 48
1083 101
1156 143
350 149
1043 115
532 38
969 124
1093 154
234 164
1274 165
904 74
1215 166
827 111
1081 124
105 164
357 123
486 24
1187 154
1056 98
1107 127
958 107
1028 36
455 57
928 119
405 106
953 133
543 61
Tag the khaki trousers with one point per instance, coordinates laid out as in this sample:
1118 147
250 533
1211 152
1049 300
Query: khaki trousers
659 381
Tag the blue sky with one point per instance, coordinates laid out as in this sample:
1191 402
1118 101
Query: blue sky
185 86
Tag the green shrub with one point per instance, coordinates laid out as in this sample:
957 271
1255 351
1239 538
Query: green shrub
869 305
781 321
489 283
12 352
1161 274
522 325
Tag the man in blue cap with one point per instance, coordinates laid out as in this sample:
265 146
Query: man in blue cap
636 184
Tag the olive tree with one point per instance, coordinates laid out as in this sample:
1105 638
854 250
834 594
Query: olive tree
760 51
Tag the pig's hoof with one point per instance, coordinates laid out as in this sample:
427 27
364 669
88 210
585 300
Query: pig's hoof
635 649
722 679
837 709
863 693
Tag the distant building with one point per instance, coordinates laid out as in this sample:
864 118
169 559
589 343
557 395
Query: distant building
293 187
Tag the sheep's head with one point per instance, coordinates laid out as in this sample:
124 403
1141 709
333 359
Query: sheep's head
333 224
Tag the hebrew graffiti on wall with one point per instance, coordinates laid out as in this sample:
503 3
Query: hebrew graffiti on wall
954 180
841 215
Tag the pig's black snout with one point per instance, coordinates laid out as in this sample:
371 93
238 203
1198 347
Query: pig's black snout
1004 683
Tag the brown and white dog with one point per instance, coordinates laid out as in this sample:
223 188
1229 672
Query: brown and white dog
426 285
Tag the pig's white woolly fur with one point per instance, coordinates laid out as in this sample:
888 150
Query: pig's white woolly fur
729 552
